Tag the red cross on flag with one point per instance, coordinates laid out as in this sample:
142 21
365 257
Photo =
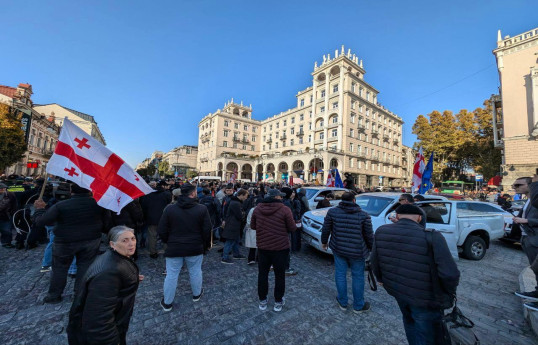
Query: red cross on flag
330 180
83 160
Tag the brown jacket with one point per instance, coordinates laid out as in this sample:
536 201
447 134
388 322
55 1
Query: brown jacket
272 221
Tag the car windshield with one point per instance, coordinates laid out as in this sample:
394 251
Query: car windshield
373 205
310 192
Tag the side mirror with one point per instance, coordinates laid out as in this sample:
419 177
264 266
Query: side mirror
318 198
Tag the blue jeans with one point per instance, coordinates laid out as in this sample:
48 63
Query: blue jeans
173 267
341 265
230 246
6 231
422 326
47 256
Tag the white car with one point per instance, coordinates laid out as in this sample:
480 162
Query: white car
464 229
378 205
316 194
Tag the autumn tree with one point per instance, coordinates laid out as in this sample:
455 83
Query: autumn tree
12 143
460 142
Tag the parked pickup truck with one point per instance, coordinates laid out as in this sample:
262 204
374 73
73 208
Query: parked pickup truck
466 231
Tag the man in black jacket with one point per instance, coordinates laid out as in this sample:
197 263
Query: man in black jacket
153 205
415 266
186 229
352 238
234 221
79 224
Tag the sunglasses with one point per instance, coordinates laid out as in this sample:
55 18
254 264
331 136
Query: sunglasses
518 185
402 199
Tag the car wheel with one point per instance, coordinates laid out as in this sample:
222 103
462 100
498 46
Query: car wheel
474 248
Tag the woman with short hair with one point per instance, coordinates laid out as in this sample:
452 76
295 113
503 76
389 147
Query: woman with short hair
102 309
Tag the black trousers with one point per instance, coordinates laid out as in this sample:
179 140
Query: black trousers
62 256
277 258
252 255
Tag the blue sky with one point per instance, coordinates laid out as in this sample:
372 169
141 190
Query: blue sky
150 70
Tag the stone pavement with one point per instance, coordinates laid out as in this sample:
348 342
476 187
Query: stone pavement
228 312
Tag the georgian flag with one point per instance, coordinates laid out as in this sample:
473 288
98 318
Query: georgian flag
418 169
83 160
330 180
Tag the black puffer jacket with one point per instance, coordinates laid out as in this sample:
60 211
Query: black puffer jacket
185 227
153 205
77 219
401 261
131 215
350 229
233 219
101 312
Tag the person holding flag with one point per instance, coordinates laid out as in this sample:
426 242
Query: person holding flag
102 181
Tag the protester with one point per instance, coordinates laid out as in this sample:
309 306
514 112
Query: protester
295 237
272 221
233 220
8 206
352 237
101 312
153 205
186 229
250 239
79 222
415 266
326 201
213 208
527 221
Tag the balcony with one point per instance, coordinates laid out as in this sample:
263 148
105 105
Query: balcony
361 154
299 134
395 141
334 124
269 141
330 139
375 157
245 141
204 159
319 141
375 132
283 137
319 128
361 127
385 137
237 139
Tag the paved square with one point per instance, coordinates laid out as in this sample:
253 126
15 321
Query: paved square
228 312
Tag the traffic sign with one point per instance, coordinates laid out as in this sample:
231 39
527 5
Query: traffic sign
479 177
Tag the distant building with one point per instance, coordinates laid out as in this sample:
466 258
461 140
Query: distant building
41 132
86 122
337 123
516 108
182 159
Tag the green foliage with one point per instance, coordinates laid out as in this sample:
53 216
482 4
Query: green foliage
142 172
12 144
460 142
151 170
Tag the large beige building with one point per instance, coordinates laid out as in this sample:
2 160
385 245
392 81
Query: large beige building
182 158
337 123
516 109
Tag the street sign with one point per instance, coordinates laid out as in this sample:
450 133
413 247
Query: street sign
479 177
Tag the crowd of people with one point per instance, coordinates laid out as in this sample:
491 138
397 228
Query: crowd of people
411 262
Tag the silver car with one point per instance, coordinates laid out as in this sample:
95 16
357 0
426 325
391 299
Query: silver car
316 194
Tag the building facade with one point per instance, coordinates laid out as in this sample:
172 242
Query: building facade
41 132
337 123
516 107
182 159
86 122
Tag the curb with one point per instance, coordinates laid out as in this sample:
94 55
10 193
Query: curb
527 282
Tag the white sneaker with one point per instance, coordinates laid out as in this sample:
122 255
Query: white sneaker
263 304
278 305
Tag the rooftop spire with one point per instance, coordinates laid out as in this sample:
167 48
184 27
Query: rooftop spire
499 37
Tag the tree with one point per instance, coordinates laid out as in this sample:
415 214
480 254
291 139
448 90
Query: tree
460 142
164 168
12 143
151 170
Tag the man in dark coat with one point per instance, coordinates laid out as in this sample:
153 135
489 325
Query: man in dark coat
527 221
273 222
233 226
352 238
8 206
79 222
326 201
186 229
415 266
153 205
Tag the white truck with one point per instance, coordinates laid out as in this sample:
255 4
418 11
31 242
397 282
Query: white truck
466 231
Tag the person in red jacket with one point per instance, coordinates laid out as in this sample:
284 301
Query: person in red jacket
272 221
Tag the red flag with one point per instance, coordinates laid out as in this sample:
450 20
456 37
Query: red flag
330 180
